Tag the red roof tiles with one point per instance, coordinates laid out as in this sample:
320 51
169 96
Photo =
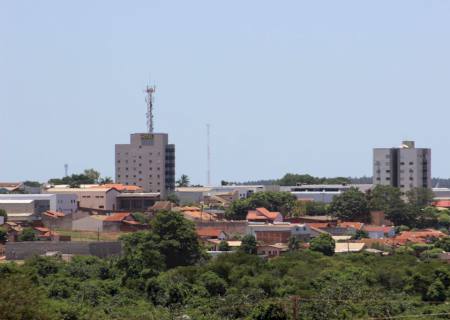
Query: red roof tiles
117 217
262 214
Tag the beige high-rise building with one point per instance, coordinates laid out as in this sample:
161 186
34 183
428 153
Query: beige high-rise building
406 167
148 161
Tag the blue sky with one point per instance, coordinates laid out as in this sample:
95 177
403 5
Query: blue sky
287 86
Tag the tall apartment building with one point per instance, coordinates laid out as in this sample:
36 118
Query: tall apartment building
148 162
405 167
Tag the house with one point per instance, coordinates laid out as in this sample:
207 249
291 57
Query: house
122 221
13 230
161 206
420 236
379 232
351 226
55 219
332 221
94 199
43 233
136 201
233 244
271 250
196 214
211 233
11 187
278 233
346 247
264 215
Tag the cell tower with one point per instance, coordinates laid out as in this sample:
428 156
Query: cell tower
208 157
66 170
149 99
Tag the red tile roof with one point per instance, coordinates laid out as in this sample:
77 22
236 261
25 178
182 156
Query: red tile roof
350 224
442 203
208 232
119 187
117 217
377 229
261 214
54 214
419 236
318 225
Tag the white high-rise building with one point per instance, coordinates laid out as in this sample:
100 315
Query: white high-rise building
405 167
148 161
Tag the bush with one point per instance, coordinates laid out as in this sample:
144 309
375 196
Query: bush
324 243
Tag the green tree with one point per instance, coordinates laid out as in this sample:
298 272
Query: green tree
28 234
248 244
3 235
436 292
34 184
21 299
293 243
4 214
324 243
268 311
172 197
183 181
214 284
282 202
92 174
360 234
350 205
223 246
443 243
105 180
389 200
176 238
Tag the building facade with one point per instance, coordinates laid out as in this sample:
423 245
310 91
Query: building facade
406 167
148 161
65 203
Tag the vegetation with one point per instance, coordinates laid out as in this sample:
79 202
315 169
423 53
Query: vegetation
324 243
282 202
183 181
351 205
4 214
232 286
28 234
89 176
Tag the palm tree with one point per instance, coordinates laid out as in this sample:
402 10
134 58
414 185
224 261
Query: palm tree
183 181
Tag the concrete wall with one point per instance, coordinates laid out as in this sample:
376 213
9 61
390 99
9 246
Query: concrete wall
89 223
25 250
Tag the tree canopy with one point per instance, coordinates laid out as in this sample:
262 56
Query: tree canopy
352 205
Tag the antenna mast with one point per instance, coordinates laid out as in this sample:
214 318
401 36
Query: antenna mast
150 90
66 170
208 157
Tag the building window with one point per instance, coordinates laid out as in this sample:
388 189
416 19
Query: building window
411 163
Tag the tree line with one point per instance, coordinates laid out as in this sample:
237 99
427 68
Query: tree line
164 273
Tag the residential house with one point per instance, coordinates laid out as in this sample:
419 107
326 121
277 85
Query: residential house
211 233
278 233
379 232
122 221
43 233
347 247
272 250
196 214
420 236
214 243
11 187
264 215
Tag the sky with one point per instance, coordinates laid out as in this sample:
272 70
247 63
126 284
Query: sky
287 86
